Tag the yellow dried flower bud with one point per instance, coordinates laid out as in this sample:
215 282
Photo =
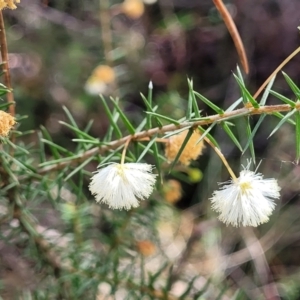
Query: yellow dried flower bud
145 247
6 123
8 4
99 81
104 73
172 191
133 8
191 150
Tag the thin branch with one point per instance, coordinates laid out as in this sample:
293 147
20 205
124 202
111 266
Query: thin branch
222 157
106 33
161 130
4 57
276 71
233 32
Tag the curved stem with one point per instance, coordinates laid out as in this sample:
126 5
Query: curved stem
234 33
224 160
276 71
124 150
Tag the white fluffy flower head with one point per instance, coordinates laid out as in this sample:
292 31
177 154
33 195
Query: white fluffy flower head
121 186
248 200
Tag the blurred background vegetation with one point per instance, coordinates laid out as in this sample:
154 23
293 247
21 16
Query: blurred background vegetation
55 50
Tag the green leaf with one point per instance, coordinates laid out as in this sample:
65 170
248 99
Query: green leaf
231 135
80 167
205 133
7 167
109 157
185 294
4 106
150 90
88 126
240 75
196 111
78 132
222 292
59 148
150 109
214 107
292 85
95 142
42 147
286 117
19 163
150 151
281 116
246 93
141 126
284 99
163 117
70 117
125 120
187 138
250 138
154 277
60 160
267 91
297 115
16 147
234 105
202 291
153 140
175 132
251 146
168 285
112 121
158 162
189 109
54 151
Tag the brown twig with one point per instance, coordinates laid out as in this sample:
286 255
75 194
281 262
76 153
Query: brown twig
161 130
106 30
234 33
4 57
276 71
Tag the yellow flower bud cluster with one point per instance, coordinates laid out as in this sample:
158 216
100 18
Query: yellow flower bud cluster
191 151
172 191
6 123
133 8
8 4
100 79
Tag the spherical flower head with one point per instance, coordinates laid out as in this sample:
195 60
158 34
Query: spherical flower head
172 191
191 151
8 4
133 8
248 200
145 247
100 79
6 123
121 186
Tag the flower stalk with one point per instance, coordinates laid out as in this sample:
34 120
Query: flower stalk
222 157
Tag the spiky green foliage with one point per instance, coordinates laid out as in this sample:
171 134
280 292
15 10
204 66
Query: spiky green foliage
88 250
